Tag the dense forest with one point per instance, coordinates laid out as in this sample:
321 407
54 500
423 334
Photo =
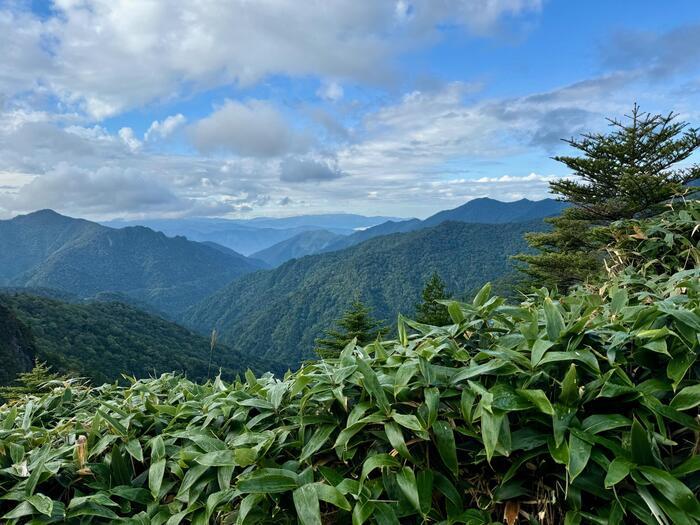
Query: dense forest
102 340
279 313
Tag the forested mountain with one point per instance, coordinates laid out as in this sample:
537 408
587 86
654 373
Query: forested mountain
248 236
280 312
45 249
305 243
477 211
102 340
17 350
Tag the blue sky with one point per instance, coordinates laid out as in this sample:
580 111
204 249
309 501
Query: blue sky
116 108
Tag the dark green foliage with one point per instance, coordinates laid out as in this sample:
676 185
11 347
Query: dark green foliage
39 380
356 323
102 340
16 346
630 171
568 409
45 249
567 255
429 310
279 313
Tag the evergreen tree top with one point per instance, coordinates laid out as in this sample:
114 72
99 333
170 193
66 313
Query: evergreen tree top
631 169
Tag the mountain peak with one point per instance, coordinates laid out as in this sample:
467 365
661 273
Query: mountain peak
45 216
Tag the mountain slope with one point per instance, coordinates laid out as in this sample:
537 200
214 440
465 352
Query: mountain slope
102 340
280 312
17 350
477 211
27 240
86 259
305 243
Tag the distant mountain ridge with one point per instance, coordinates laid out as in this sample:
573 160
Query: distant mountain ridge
280 312
247 236
47 250
477 211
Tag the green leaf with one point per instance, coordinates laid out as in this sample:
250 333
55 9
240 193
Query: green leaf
133 447
676 492
640 445
218 458
43 504
490 431
445 442
618 470
318 439
244 456
569 387
377 461
307 506
539 349
597 423
395 437
455 312
371 384
408 421
332 495
157 448
406 481
539 399
401 328
579 454
482 296
155 477
687 398
268 481
553 319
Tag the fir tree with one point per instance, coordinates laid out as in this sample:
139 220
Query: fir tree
38 380
358 323
629 172
429 311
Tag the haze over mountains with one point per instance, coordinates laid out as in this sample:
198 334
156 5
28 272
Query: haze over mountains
83 270
247 236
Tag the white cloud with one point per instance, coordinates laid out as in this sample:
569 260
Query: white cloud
107 56
330 90
251 129
165 128
129 139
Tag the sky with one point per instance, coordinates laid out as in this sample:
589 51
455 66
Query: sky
231 108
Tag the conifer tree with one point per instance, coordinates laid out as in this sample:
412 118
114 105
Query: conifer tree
429 311
36 381
356 322
629 172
